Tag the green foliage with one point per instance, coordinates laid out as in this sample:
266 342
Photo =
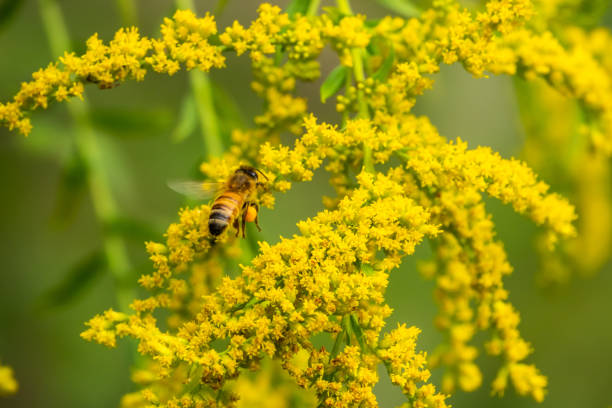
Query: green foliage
187 119
385 69
298 6
8 8
334 82
75 281
72 188
358 332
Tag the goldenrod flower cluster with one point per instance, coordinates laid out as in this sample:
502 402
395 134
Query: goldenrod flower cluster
503 40
8 384
310 284
329 280
556 147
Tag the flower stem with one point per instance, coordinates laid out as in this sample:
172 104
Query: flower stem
313 7
345 7
203 95
220 7
127 11
363 113
87 143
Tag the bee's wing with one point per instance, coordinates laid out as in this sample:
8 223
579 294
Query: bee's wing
195 189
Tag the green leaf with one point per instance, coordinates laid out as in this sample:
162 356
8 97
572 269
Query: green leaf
341 337
334 81
358 331
207 115
385 68
132 122
75 282
130 228
367 270
72 189
8 8
298 6
404 8
371 23
187 119
334 14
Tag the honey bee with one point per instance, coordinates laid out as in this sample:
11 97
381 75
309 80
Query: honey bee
234 202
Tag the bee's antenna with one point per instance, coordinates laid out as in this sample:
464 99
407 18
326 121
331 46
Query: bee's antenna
260 172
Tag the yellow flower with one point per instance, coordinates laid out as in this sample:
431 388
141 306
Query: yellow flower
318 266
330 279
8 384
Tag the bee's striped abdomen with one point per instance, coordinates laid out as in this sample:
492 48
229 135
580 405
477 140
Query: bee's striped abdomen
223 211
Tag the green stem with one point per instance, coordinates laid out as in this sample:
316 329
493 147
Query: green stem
363 113
313 7
203 95
220 7
345 7
347 85
356 55
127 11
87 142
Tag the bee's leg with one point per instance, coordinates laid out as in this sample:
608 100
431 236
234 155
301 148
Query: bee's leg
237 226
257 217
244 215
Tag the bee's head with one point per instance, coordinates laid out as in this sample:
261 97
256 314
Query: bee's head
249 171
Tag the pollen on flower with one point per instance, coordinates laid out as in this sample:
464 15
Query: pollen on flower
221 318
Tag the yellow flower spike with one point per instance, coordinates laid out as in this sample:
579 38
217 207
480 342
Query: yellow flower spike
296 317
407 368
528 381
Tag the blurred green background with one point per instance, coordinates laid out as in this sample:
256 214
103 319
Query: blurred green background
570 328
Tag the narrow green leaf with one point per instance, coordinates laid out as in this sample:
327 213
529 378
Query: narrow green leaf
333 82
75 282
8 8
71 190
298 6
132 122
358 331
187 119
404 8
207 115
340 337
385 68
